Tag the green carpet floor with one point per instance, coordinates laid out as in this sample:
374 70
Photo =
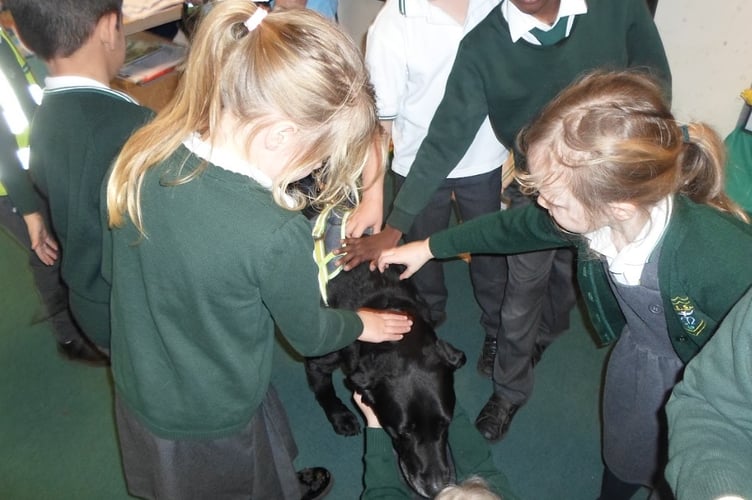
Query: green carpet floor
57 435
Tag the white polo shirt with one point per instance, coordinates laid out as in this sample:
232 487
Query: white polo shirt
409 57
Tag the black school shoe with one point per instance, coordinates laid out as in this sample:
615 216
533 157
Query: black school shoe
80 349
315 482
487 357
494 419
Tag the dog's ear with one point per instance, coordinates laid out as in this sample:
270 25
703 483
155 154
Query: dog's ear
450 354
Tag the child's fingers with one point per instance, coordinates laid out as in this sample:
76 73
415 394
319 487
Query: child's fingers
407 273
397 324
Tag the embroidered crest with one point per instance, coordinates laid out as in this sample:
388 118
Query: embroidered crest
686 312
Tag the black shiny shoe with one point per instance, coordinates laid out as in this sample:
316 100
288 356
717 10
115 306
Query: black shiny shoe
494 419
315 482
487 357
80 349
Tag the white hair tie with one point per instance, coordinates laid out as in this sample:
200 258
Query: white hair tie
253 22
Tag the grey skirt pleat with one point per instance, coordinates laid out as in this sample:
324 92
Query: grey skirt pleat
256 463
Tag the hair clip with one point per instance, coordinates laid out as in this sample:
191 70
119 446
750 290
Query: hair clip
685 133
253 22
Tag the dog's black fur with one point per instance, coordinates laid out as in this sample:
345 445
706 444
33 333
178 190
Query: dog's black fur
409 384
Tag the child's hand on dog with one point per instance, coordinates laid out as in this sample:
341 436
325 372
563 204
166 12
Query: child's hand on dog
412 255
371 419
383 326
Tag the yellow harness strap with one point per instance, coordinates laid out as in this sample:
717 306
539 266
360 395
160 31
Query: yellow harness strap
321 255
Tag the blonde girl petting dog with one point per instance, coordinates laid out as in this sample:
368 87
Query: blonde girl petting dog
209 252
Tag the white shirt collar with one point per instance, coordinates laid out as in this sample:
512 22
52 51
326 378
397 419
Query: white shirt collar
626 266
54 83
225 159
520 23
58 82
230 161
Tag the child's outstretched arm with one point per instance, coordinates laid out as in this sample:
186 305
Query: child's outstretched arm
413 255
383 326
381 476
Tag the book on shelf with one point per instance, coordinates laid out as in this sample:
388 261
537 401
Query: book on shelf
147 60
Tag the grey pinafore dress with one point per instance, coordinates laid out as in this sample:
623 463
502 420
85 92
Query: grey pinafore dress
642 370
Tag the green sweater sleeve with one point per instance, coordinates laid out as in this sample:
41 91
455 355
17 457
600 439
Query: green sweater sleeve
510 231
290 292
644 46
710 422
382 477
472 456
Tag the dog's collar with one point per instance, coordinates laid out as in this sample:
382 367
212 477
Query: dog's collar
328 232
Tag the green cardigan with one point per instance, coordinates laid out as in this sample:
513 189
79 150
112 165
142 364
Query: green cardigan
510 82
709 415
471 454
704 265
195 302
76 134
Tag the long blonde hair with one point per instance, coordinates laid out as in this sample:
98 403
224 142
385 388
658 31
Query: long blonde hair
296 66
611 136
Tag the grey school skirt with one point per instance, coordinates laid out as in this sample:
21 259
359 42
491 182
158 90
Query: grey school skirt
255 463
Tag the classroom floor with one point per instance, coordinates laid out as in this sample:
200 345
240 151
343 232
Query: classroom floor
57 432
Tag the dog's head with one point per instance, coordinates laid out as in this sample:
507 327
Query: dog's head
411 391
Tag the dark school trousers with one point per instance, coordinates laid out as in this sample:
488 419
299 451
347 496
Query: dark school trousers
539 296
52 290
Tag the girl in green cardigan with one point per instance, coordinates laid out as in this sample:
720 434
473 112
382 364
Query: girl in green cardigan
663 254
209 253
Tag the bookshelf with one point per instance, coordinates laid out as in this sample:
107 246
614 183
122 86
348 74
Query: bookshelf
158 18
155 93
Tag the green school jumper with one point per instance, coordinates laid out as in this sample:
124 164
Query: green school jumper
76 134
510 82
195 302
708 415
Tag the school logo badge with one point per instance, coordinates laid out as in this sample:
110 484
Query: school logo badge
686 312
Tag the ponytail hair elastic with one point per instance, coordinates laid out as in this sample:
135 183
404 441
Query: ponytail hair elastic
253 22
685 133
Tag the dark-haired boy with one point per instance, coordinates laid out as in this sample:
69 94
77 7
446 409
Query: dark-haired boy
76 133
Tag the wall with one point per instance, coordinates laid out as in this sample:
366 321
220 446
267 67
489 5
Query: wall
356 15
709 46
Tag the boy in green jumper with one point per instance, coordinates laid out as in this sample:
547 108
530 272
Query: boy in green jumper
76 133
23 214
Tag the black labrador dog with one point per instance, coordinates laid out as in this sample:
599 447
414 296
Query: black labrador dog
409 384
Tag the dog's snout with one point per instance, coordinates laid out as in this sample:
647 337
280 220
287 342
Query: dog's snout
428 478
